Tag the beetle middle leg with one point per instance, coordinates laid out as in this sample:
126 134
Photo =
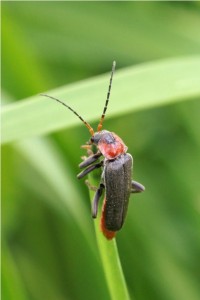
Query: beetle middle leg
96 200
98 192
136 187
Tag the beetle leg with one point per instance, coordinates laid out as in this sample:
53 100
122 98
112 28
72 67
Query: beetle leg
88 148
96 200
90 187
89 169
137 187
88 161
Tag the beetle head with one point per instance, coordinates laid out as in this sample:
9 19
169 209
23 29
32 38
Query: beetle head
108 143
103 135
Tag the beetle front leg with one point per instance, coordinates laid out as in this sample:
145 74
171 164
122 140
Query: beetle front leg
96 200
137 187
88 147
88 161
89 169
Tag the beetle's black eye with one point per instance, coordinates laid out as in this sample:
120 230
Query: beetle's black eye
92 140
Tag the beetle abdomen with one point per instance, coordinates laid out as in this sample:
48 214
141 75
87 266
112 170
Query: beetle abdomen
109 234
117 180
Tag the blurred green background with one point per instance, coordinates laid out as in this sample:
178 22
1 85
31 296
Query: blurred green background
46 253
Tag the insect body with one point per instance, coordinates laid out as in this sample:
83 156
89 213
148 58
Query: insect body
116 177
116 180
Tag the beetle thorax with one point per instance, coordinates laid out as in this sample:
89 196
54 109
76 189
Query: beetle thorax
109 144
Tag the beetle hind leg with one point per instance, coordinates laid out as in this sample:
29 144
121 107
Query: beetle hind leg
137 187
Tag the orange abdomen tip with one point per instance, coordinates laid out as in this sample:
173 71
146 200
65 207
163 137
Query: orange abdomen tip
107 233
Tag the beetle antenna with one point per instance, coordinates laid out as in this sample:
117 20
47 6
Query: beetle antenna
91 130
107 99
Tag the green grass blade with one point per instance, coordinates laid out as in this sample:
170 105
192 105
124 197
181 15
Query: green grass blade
109 257
49 164
139 87
11 277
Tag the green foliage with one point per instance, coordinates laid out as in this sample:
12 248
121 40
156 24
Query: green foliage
25 119
49 242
